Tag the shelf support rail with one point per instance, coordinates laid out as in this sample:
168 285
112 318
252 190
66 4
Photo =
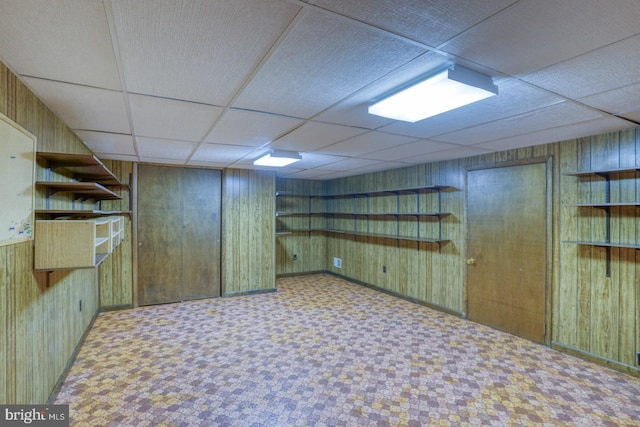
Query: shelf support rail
607 221
418 216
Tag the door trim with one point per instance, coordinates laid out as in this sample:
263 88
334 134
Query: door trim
134 235
548 160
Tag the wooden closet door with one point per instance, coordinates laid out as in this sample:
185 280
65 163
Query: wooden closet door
507 248
178 234
202 194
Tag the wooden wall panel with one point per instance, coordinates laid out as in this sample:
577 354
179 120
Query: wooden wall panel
116 272
590 313
39 312
115 275
309 248
248 231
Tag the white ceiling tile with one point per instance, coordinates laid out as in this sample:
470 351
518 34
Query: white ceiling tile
196 50
532 34
598 71
349 164
408 150
632 115
380 167
103 142
452 153
616 101
554 116
513 98
285 171
307 174
210 165
83 107
562 133
313 160
366 143
164 148
333 174
220 153
162 160
170 119
121 157
322 61
242 127
313 136
63 40
431 22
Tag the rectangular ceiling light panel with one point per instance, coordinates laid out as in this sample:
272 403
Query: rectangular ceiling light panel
278 159
445 91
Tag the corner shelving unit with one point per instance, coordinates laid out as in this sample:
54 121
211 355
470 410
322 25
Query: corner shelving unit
81 236
608 175
368 214
91 239
93 181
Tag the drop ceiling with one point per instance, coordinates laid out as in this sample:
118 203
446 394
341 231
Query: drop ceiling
218 83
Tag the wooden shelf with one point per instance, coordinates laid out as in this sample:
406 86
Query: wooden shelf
77 238
85 167
355 233
608 175
603 172
91 238
386 236
380 214
88 190
366 193
362 216
79 212
429 188
602 244
604 205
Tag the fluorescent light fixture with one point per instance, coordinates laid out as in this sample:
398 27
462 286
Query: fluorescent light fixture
447 90
278 158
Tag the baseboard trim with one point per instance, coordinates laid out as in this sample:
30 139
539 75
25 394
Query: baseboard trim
302 273
116 307
397 295
244 293
72 359
594 358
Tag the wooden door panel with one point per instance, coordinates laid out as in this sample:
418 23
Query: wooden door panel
178 234
159 228
507 232
202 190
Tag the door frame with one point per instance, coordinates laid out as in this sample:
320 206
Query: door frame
133 203
548 160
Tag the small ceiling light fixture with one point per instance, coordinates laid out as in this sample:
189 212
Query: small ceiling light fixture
278 158
447 90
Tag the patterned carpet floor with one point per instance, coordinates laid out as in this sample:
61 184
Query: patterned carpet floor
325 352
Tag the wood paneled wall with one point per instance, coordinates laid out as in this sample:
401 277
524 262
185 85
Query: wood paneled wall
116 272
595 313
248 227
310 251
592 315
40 318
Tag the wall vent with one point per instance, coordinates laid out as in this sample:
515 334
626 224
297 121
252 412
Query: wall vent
337 262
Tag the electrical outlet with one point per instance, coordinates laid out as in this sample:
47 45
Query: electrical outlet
295 257
337 262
